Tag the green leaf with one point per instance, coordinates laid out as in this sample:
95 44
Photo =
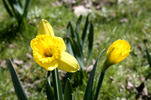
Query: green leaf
19 2
57 87
68 93
11 3
71 30
26 7
77 29
8 9
16 12
18 8
90 43
49 90
17 85
89 89
85 31
77 52
148 57
69 48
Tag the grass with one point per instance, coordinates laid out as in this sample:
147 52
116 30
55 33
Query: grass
131 22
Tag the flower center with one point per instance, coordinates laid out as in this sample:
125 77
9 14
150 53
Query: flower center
48 52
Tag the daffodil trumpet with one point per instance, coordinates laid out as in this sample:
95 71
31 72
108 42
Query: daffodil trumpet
116 53
49 51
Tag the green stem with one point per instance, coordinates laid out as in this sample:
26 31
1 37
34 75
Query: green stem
57 87
104 68
99 85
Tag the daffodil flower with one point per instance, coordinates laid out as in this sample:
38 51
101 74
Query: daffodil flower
117 52
49 50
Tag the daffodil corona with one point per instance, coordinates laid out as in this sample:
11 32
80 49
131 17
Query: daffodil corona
117 52
49 50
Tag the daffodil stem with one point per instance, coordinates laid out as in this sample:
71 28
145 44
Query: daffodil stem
100 83
57 87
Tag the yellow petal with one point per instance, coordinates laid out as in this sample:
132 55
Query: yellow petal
68 63
117 52
45 28
47 63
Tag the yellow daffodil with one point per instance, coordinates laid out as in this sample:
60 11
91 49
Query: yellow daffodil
117 52
49 50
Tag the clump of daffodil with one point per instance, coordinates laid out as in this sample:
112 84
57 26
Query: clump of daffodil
117 52
49 50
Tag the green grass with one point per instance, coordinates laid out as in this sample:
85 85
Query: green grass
107 29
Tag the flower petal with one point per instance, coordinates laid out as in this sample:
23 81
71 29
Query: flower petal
59 41
45 28
68 63
47 63
117 52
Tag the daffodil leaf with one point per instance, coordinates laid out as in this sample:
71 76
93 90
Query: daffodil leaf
17 85
18 8
89 89
85 31
57 87
69 26
148 57
90 43
50 93
95 84
11 3
77 52
26 7
69 48
49 90
19 2
77 29
8 9
68 93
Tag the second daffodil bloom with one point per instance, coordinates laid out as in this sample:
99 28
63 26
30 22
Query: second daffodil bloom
117 52
49 50
45 28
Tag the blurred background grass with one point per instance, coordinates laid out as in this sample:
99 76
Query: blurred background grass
112 20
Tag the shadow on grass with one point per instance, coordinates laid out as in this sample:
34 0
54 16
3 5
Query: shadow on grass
7 34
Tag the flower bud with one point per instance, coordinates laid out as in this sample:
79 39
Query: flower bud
45 28
117 52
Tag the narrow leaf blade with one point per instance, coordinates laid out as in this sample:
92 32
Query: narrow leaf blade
77 29
71 30
90 43
88 93
50 93
77 52
8 9
85 31
49 90
17 85
68 91
69 48
26 7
